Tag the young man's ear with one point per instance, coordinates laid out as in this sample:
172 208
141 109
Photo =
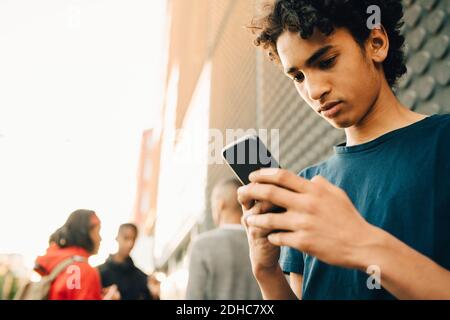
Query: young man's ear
378 44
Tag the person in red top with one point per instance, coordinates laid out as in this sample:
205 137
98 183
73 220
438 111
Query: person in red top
79 237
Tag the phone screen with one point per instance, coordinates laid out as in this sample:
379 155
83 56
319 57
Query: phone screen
247 155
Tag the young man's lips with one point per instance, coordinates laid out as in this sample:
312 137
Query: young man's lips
330 110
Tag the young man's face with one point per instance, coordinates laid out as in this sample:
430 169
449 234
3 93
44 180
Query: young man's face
332 74
126 240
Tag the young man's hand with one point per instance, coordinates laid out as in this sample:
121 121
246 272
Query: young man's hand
263 254
320 219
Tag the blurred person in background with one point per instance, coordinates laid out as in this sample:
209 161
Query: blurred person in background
220 267
119 268
78 238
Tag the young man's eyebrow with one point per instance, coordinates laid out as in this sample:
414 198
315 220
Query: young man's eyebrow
312 59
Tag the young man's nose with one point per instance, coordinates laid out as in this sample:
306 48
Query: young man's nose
316 88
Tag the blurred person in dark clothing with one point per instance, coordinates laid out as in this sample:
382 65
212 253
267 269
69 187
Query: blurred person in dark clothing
155 287
119 268
220 267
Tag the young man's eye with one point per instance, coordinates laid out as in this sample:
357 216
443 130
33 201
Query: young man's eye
326 64
298 77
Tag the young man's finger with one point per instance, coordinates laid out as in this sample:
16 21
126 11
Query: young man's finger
271 221
282 178
284 239
266 206
244 219
261 207
268 192
245 200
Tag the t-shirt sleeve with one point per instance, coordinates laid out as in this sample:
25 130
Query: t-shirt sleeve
442 195
291 260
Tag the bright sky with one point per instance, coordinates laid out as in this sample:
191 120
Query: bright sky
79 82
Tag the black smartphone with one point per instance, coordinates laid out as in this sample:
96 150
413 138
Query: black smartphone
249 154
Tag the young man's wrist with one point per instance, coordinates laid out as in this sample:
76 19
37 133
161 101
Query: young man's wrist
273 283
370 251
262 272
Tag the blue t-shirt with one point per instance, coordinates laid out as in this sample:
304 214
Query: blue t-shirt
399 182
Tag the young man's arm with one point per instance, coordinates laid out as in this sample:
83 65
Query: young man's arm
296 282
321 221
404 272
274 285
264 256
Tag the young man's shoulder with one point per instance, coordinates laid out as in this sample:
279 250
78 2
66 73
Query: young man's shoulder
442 122
439 122
438 132
442 118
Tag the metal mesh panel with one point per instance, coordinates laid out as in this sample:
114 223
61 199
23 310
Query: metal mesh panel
427 30
233 92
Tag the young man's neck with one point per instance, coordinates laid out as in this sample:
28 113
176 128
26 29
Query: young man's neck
387 114
119 258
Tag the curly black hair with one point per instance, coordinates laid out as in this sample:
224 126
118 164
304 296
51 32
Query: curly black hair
303 16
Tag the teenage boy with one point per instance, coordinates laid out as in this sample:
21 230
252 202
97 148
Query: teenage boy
379 208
